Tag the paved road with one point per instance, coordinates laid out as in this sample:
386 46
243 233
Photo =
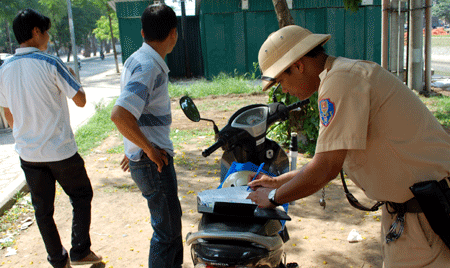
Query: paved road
94 66
101 83
441 67
440 60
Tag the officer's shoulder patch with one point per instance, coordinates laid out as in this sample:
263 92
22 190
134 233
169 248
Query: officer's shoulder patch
327 110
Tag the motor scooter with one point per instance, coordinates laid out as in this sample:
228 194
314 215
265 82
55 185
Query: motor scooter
239 234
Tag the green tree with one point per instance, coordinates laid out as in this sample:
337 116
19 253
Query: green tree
442 10
85 16
352 5
8 10
103 31
56 10
110 15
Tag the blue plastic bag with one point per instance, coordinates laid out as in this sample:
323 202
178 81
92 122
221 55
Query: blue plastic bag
249 166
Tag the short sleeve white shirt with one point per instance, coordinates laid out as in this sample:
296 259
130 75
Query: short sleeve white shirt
35 87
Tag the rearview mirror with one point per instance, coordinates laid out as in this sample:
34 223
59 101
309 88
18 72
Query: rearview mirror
189 108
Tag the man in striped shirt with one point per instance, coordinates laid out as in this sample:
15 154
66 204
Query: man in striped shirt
34 88
142 114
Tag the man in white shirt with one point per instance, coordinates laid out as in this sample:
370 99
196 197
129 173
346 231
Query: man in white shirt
34 88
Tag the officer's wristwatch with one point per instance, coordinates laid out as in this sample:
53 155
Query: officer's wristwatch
271 197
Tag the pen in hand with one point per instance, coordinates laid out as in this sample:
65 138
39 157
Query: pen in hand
257 173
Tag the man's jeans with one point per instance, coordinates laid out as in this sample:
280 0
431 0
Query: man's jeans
41 178
161 192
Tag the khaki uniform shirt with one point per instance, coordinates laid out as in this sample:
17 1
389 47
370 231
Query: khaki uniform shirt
393 140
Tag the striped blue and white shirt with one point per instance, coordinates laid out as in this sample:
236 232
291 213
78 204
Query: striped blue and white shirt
145 95
35 86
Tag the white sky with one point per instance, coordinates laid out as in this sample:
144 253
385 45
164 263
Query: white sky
189 4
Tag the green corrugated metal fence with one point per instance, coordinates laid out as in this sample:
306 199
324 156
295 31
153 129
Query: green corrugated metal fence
231 37
129 15
225 38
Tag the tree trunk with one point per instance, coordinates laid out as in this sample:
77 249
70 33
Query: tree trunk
57 47
87 48
9 39
94 45
283 15
68 54
108 46
284 19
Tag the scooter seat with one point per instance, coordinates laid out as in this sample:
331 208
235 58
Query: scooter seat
222 223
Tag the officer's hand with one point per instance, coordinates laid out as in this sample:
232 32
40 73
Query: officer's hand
260 198
263 180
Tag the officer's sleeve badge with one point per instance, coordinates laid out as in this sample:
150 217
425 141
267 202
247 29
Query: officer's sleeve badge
326 109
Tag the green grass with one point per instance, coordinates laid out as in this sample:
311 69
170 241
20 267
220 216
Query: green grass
226 106
96 129
440 107
9 220
220 85
116 150
180 137
440 41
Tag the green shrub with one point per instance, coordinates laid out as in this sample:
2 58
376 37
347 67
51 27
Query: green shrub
304 122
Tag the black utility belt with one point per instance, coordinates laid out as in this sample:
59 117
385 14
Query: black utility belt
430 197
413 205
434 199
410 206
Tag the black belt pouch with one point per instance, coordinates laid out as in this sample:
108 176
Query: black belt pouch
434 200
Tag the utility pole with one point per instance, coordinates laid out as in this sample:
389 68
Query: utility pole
183 36
112 40
415 68
72 38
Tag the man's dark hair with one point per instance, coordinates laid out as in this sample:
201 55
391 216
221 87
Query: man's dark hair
25 21
315 51
157 22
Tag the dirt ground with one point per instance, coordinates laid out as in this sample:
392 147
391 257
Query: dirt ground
121 230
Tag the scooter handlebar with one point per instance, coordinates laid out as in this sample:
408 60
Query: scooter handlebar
219 143
299 104
280 114
281 111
